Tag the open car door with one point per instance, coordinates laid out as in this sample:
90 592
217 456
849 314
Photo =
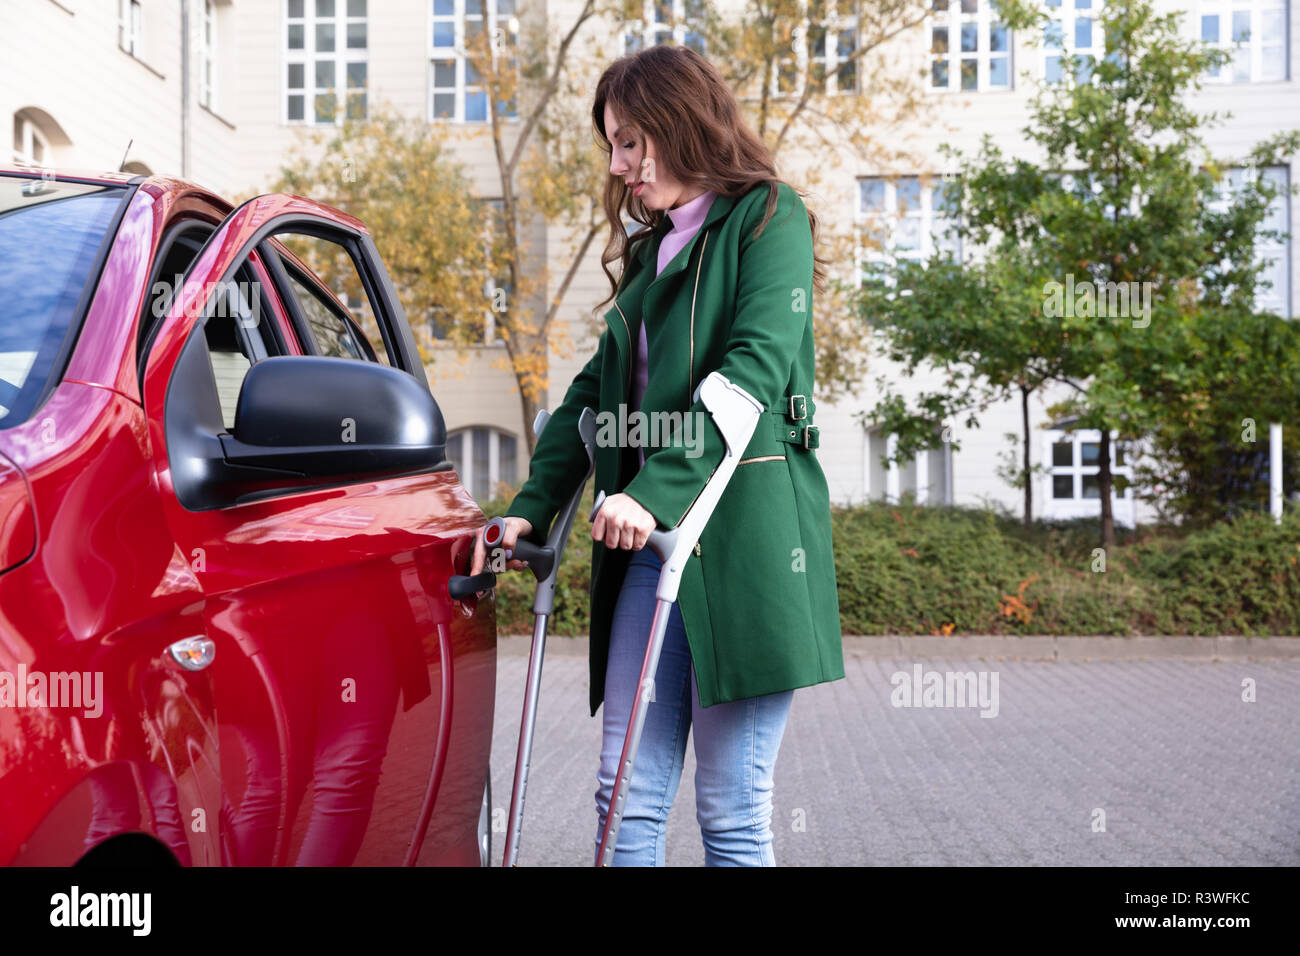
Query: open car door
301 459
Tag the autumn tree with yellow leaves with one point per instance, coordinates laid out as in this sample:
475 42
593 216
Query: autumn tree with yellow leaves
457 261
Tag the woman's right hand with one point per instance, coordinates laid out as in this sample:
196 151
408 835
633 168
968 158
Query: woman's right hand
515 527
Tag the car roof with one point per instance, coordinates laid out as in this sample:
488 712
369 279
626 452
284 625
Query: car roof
157 185
87 175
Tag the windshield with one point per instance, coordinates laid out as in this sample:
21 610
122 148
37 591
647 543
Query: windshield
50 232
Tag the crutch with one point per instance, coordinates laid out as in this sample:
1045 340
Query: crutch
544 562
735 413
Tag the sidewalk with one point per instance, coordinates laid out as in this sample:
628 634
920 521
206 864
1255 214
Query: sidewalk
1171 756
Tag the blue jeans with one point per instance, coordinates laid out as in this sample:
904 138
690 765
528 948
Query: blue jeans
736 743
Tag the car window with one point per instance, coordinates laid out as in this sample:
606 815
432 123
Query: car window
330 331
50 235
178 250
344 324
239 331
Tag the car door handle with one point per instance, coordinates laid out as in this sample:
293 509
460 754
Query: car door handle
461 586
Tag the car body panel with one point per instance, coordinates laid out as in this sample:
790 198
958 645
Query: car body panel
17 518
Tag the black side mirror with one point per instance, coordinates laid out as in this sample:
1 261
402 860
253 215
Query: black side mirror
320 416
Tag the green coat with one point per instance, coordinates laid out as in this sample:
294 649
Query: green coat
758 597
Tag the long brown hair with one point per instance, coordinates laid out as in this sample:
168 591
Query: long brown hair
680 100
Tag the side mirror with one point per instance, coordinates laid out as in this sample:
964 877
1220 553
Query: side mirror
320 416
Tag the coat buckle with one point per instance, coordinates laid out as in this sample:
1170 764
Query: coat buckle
803 407
811 432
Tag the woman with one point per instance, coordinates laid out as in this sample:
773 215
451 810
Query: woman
721 279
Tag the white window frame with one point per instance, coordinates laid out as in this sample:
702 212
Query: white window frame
29 139
834 29
1067 13
1249 53
1124 505
497 19
651 30
465 466
208 47
129 26
1278 298
952 19
307 57
894 481
890 220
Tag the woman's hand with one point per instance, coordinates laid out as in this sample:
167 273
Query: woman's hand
514 528
621 522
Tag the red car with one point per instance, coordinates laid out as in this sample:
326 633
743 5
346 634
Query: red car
227 532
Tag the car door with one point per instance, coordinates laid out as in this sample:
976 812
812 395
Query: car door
334 646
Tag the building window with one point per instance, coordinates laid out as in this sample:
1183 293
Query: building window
666 21
326 55
208 57
129 26
970 49
824 57
926 477
907 218
1273 252
1075 28
485 458
1073 490
457 92
1075 465
1255 31
30 145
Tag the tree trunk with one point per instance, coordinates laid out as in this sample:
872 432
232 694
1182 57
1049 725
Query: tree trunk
1029 485
1103 488
530 407
525 353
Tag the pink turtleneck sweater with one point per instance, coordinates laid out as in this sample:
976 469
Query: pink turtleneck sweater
687 219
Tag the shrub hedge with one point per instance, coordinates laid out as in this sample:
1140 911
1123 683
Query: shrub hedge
909 569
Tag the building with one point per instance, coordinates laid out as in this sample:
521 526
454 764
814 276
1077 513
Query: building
218 91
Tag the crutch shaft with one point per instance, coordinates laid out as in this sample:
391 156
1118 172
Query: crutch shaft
524 753
635 725
543 602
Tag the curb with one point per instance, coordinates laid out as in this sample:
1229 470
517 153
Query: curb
1002 647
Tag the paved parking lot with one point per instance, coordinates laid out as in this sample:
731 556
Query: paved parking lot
1165 753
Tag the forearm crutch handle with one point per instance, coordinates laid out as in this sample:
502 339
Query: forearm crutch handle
541 560
736 414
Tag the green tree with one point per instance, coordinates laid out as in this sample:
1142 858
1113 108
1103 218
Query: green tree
1118 234
981 329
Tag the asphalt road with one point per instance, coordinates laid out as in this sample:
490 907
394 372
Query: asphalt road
1110 763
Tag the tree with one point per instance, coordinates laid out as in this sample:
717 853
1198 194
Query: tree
399 178
1121 221
983 329
548 171
1219 385
775 57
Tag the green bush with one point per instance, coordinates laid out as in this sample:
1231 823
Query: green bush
909 569
516 589
1234 577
